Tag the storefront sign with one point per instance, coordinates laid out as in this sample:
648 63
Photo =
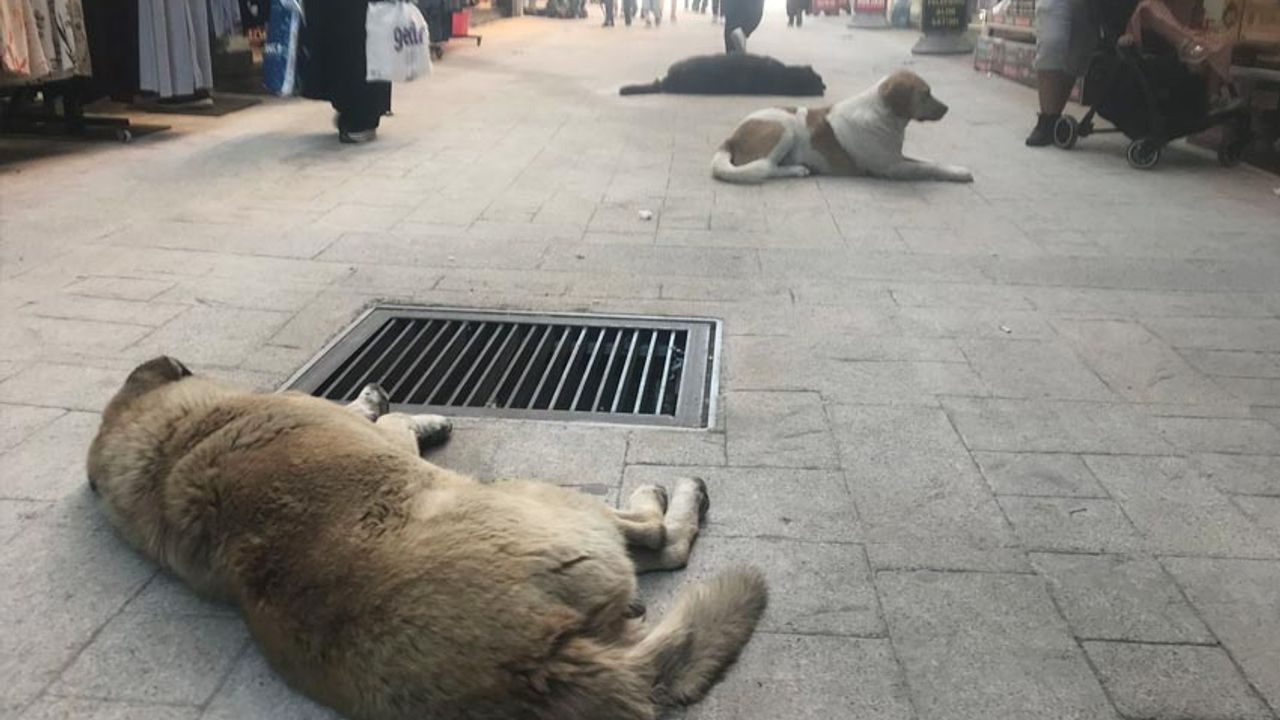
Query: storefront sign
870 6
944 16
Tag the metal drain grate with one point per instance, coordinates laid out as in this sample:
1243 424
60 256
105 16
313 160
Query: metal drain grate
632 370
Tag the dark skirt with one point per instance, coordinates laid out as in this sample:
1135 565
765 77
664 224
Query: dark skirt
333 69
795 7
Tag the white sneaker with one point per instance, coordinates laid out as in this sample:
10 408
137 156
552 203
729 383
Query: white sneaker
358 137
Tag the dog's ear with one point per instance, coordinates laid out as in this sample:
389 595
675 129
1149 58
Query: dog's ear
899 92
160 370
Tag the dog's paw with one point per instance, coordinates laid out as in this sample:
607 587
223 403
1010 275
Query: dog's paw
431 430
955 173
799 171
372 402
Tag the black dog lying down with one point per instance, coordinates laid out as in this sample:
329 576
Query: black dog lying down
737 74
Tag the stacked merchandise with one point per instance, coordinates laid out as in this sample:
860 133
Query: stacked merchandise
1007 45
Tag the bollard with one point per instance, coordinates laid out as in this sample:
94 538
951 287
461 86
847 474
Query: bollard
869 14
945 28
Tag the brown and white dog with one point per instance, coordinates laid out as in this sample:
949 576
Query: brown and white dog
862 135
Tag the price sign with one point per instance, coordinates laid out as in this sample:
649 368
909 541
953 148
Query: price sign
944 16
870 6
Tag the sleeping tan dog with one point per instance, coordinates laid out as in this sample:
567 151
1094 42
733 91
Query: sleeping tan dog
859 136
391 589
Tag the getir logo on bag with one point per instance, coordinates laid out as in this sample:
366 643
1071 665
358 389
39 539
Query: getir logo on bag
407 35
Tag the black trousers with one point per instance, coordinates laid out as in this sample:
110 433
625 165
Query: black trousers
334 66
741 14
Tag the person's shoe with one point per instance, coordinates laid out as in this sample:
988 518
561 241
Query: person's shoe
1042 135
358 137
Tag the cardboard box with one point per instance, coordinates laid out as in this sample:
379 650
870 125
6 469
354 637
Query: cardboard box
1260 22
988 54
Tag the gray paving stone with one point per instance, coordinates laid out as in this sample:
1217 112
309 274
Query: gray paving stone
560 454
1177 511
30 338
899 383
53 708
1242 474
172 659
1255 391
253 690
764 502
660 447
1071 524
63 386
1222 435
432 252
17 422
1033 369
974 323
986 646
101 309
1237 599
1260 334
653 261
1038 474
978 297
778 429
166 595
948 557
839 678
1137 364
16 515
49 464
234 293
1118 597
1046 426
214 336
61 584
1235 363
1170 682
814 588
913 481
1264 511
119 288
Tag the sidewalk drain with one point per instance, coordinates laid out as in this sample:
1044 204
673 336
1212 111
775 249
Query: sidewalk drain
577 367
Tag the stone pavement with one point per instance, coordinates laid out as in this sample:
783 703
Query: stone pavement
1007 450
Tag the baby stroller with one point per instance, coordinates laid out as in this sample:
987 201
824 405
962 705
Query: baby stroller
1148 94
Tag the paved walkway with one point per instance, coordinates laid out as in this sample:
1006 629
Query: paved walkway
1007 450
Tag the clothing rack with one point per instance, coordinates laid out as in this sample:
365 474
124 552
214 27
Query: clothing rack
56 108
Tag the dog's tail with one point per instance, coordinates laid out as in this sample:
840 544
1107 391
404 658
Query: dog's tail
688 650
722 168
643 89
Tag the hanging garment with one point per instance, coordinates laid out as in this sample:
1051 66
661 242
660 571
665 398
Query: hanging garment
62 31
174 57
224 17
22 55
112 27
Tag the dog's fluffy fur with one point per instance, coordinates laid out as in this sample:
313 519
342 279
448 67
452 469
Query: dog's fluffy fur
862 135
389 588
736 74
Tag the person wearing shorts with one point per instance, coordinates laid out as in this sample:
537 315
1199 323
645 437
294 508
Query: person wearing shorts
1066 35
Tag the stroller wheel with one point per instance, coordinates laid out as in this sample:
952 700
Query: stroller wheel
1066 131
1143 154
1231 151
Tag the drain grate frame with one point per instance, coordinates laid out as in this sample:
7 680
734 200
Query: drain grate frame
568 367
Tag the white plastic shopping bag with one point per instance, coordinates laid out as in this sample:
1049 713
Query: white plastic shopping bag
396 44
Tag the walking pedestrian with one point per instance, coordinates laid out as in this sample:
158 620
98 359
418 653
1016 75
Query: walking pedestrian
741 18
795 12
334 39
